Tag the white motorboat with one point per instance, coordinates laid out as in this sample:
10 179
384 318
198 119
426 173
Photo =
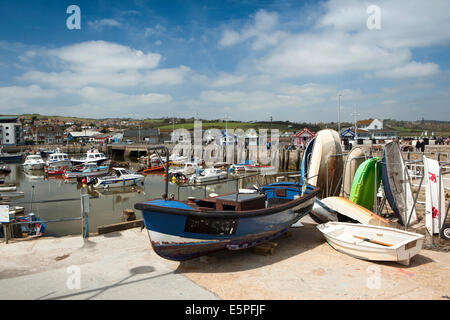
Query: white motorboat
208 174
8 188
58 159
188 169
87 170
92 156
34 162
176 159
370 242
120 178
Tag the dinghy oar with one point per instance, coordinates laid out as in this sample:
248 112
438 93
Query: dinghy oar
374 241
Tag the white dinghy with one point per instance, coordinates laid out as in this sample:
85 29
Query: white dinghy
375 243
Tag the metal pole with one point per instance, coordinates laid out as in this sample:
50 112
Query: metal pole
375 188
339 115
439 200
5 231
32 198
414 204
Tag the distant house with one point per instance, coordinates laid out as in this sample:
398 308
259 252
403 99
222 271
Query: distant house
347 133
302 137
370 124
48 134
251 138
142 136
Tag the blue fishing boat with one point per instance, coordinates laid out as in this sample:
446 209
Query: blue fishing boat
181 230
10 157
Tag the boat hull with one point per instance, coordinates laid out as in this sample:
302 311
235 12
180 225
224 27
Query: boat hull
354 159
117 183
11 158
363 186
341 236
77 162
397 186
170 240
75 174
326 164
34 166
59 164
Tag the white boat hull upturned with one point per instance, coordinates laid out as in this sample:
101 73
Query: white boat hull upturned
354 159
354 211
326 163
372 243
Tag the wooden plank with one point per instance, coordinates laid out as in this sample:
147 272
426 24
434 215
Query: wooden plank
120 226
262 250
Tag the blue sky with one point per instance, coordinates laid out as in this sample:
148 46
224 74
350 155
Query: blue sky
247 60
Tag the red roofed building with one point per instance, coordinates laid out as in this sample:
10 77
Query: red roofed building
302 137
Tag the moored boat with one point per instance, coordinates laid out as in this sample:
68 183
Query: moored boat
188 169
92 156
10 157
373 243
59 159
208 175
33 162
120 178
87 170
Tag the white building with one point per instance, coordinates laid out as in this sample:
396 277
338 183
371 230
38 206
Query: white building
370 124
11 132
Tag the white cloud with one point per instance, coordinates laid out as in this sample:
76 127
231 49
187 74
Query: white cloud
29 92
105 56
109 98
322 54
259 30
105 64
404 24
410 70
99 25
171 76
225 79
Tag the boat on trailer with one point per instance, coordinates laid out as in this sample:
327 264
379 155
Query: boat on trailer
181 230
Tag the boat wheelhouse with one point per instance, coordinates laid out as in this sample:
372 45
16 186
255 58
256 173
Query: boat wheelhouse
58 159
92 156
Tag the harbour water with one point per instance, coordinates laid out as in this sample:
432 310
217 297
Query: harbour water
55 198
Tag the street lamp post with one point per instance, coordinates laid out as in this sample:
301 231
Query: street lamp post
339 114
355 114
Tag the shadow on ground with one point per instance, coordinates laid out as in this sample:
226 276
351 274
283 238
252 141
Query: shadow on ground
300 240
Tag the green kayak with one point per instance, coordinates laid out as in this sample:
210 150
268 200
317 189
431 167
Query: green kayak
363 186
